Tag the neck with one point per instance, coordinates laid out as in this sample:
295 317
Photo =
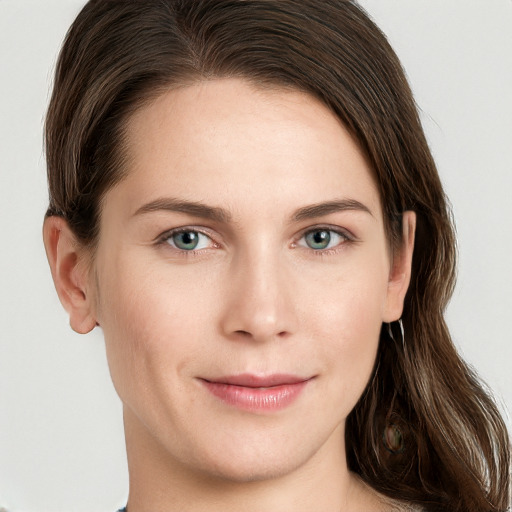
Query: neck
160 482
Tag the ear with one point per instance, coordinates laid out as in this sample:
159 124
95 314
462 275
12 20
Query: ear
70 273
400 271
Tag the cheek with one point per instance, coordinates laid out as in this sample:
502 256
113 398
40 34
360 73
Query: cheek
351 358
348 322
150 330
350 297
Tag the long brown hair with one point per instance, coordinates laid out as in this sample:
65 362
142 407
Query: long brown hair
453 451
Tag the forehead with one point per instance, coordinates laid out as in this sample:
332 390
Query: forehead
227 141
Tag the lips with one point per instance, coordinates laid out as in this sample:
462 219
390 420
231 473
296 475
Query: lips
257 393
254 381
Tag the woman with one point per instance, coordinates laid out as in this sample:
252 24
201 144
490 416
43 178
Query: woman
242 197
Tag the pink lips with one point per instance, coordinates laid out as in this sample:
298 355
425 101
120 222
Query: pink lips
254 393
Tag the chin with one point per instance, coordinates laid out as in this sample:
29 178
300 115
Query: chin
255 458
242 469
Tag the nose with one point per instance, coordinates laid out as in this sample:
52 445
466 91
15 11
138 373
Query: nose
260 305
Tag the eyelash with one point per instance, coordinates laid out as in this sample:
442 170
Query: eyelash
346 238
165 238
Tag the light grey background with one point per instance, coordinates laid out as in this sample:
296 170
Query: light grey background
61 440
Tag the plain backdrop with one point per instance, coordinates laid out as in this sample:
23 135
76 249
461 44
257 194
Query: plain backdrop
61 438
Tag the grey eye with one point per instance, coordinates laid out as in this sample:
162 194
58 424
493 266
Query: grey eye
320 239
189 240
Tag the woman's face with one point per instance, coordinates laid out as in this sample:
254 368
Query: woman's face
241 279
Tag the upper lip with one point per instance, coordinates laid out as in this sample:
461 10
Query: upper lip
257 381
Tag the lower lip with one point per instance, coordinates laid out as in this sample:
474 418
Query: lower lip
256 399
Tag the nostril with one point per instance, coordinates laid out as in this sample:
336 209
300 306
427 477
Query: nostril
247 334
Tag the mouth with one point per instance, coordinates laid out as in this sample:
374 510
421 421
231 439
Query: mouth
257 393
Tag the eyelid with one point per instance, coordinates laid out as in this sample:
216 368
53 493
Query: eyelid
166 235
343 232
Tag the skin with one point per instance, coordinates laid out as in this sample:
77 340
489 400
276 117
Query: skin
253 298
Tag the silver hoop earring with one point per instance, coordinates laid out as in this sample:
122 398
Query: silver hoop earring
401 331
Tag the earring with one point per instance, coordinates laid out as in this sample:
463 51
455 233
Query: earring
401 330
393 438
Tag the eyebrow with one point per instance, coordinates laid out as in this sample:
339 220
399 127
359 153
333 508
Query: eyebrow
194 208
215 213
321 209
